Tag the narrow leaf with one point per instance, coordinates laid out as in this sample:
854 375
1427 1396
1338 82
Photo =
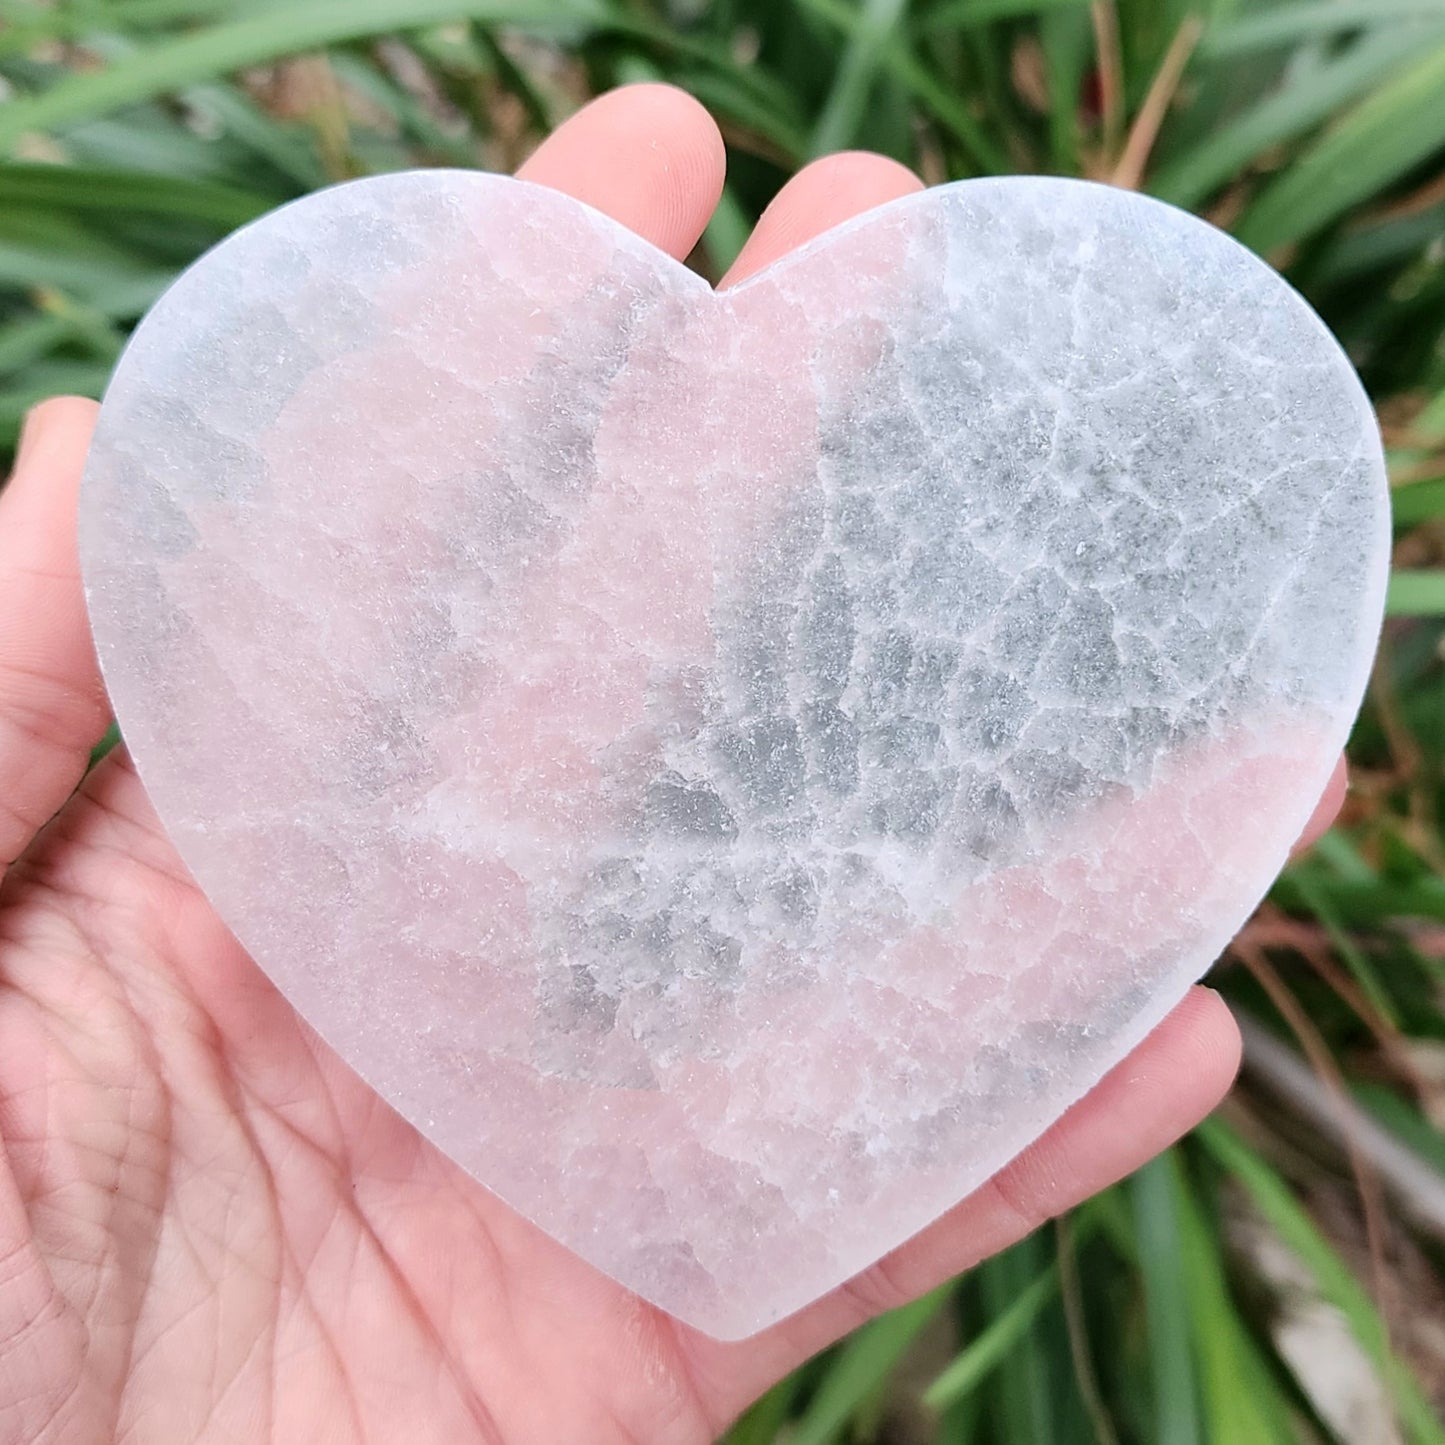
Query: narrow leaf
1383 138
1418 502
1333 1277
965 13
1293 24
1153 1190
870 41
1416 594
1298 107
993 1344
862 1367
92 188
1240 1398
222 49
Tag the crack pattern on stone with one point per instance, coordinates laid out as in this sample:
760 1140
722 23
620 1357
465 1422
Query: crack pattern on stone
733 769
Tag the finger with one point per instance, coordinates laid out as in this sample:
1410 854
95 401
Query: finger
649 156
821 196
1170 1082
1324 815
52 705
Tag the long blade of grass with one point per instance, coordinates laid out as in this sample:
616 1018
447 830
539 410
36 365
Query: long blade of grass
1344 859
1365 904
993 1344
1405 1122
30 338
1154 1190
1239 1398
1129 172
1096 1420
93 188
1067 41
1418 502
872 37
74 20
966 13
1274 1200
1384 137
1285 114
1360 967
288 148
1416 594
40 249
762 1422
222 49
862 1367
51 378
1024 1398
726 231
934 97
24 27
1291 24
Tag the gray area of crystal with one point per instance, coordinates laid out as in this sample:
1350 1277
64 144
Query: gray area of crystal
732 770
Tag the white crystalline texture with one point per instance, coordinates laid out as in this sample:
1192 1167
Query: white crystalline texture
733 770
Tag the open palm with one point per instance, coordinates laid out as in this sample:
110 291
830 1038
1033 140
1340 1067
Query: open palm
210 1229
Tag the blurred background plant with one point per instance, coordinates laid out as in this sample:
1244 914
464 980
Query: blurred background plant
1276 1277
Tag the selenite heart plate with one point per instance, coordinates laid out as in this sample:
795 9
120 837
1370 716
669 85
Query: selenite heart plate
733 769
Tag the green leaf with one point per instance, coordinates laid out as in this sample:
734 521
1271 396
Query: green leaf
992 1345
760 1424
1344 859
287 147
872 37
222 49
965 13
1291 24
91 188
47 250
1364 904
1382 139
1354 957
1239 1397
926 88
1068 46
1418 502
31 337
109 741
862 1366
50 378
1023 1393
1405 1122
1416 594
1336 1283
726 231
1154 1190
1299 106
411 117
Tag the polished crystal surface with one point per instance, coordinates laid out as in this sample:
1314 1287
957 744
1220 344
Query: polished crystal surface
733 769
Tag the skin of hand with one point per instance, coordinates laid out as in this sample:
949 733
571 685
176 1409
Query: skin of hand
210 1229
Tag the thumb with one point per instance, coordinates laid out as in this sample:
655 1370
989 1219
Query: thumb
52 704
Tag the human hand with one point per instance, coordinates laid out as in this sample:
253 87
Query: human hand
210 1229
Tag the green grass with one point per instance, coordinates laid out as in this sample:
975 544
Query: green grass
135 133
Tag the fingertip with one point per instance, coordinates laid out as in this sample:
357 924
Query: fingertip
1327 809
55 416
1159 1092
648 155
1171 1081
52 703
822 195
1208 1036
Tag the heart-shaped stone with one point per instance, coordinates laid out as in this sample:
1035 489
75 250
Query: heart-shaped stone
732 769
